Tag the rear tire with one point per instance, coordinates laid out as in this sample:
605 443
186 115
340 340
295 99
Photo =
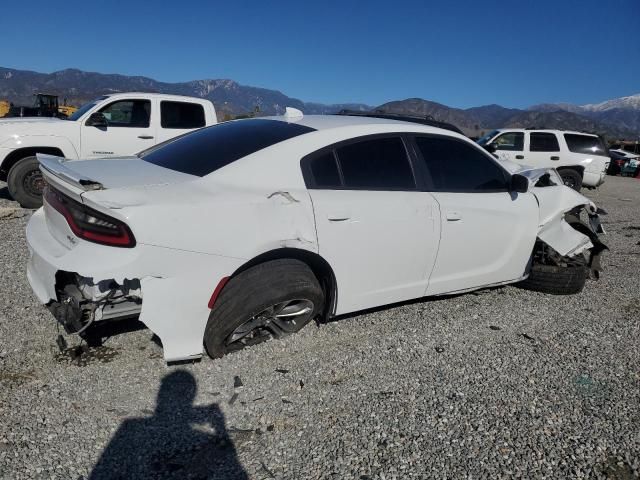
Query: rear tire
271 300
571 179
556 280
25 182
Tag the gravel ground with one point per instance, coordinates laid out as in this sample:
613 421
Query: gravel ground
501 383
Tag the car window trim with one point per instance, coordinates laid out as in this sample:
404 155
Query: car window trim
309 180
431 186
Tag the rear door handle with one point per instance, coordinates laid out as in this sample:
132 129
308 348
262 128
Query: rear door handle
145 137
338 217
453 216
520 157
555 157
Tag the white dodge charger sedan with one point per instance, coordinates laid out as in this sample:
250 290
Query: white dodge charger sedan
250 229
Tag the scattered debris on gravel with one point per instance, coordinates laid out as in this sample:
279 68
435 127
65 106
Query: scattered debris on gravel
503 383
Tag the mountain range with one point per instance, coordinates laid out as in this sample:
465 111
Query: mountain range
616 118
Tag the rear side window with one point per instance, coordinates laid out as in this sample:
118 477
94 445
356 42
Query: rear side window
377 164
325 171
543 142
208 149
181 115
511 141
455 166
585 144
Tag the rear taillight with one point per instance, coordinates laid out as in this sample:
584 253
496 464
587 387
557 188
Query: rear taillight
89 224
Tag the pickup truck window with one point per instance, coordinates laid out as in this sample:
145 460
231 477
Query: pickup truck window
208 149
181 115
128 113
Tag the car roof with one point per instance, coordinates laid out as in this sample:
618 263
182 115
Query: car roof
327 122
155 95
550 130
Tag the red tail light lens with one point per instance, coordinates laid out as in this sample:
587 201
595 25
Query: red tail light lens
89 224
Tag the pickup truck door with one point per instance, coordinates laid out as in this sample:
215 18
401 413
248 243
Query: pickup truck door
177 118
131 129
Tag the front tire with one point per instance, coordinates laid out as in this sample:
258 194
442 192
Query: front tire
571 179
271 300
556 280
25 182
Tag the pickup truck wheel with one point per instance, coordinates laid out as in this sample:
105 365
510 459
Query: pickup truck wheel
271 300
571 179
25 182
556 280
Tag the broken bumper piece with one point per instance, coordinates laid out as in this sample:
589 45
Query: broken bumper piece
90 282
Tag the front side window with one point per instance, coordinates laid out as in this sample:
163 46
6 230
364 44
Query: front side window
511 141
206 150
376 164
543 142
181 115
588 144
455 166
128 113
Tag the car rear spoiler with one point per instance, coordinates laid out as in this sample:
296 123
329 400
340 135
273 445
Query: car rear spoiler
55 166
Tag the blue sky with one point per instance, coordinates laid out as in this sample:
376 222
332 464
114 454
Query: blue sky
460 53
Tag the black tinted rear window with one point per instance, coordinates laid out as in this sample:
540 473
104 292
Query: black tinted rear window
181 115
585 144
206 150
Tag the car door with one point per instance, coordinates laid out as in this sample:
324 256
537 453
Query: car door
543 149
510 146
376 229
177 118
488 232
130 130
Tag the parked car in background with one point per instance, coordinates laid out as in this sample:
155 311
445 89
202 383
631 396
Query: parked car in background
581 159
624 163
250 229
111 125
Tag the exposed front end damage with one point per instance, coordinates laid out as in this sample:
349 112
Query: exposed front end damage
569 227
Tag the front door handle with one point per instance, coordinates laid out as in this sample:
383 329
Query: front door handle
520 157
145 137
555 157
453 216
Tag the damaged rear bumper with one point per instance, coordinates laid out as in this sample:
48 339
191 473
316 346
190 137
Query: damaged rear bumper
103 283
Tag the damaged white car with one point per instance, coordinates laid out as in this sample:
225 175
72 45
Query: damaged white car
250 229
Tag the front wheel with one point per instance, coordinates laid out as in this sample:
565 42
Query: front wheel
271 300
571 179
557 280
25 182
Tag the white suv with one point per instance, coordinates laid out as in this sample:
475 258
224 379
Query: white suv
581 159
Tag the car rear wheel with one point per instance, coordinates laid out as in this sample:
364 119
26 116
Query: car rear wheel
557 280
271 300
25 182
571 179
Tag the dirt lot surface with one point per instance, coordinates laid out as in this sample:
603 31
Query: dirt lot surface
495 384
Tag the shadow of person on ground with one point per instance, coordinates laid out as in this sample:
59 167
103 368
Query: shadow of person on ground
169 444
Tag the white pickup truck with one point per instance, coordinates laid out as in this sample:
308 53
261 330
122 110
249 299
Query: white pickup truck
111 125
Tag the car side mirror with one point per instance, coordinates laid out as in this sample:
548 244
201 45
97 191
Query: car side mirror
97 119
491 147
519 183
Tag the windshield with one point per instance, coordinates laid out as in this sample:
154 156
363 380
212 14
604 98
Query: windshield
85 108
484 139
208 149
